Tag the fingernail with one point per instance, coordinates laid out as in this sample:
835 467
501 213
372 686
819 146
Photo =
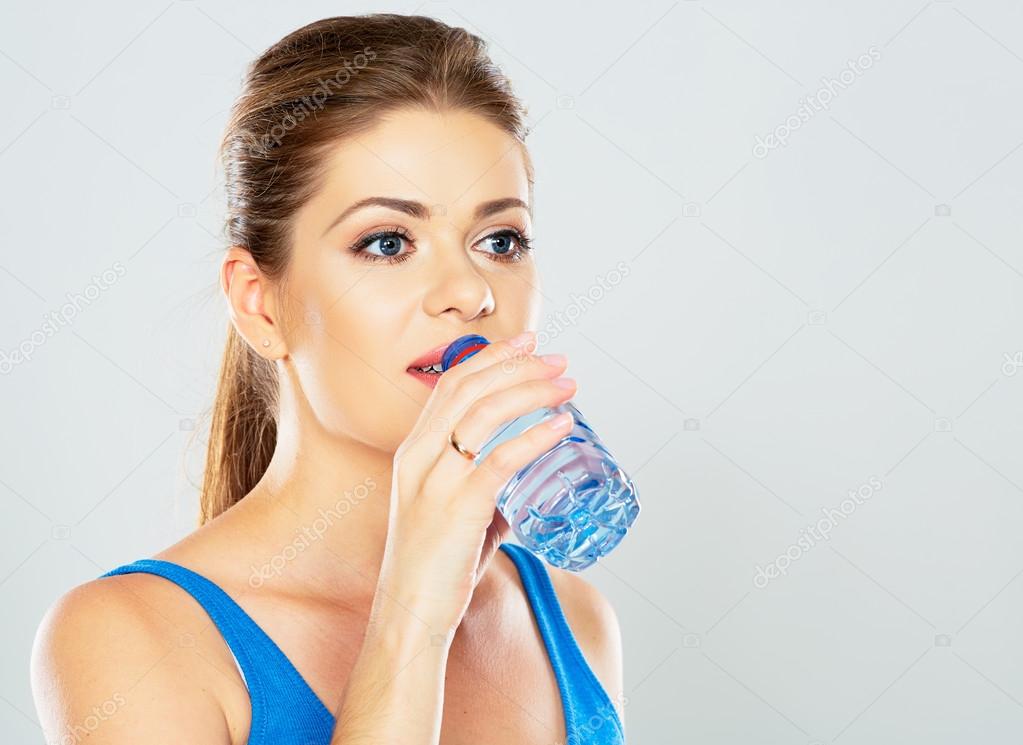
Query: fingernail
554 359
564 382
560 421
521 339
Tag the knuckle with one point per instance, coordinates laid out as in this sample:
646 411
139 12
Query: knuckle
403 455
464 379
502 459
482 409
520 360
447 382
439 424
505 347
513 355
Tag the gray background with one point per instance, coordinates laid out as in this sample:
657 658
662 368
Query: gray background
790 326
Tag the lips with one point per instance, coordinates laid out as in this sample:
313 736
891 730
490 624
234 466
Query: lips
430 358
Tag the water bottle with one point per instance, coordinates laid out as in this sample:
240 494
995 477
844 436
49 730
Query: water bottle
571 505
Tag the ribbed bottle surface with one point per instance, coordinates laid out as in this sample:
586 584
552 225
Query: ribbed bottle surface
571 505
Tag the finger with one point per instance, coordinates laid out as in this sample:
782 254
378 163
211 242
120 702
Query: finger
500 351
485 416
460 391
482 384
504 461
415 456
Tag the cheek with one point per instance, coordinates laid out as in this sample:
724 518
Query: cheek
349 394
519 299
348 367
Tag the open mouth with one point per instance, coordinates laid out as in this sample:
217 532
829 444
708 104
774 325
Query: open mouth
433 369
429 362
427 368
428 376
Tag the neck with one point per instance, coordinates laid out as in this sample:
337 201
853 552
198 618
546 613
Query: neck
320 511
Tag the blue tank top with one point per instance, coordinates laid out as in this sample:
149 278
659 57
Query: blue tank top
286 711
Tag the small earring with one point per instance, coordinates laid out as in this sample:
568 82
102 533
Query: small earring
266 342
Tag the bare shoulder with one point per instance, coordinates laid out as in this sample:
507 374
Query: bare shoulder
108 663
594 624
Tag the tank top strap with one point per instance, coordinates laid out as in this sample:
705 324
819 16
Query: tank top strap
586 703
285 709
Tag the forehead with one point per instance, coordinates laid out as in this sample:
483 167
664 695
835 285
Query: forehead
455 159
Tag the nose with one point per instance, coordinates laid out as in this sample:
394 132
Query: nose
457 287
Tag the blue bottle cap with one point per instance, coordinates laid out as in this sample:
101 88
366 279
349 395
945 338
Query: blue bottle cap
462 349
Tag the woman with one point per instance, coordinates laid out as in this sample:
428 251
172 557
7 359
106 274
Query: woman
345 583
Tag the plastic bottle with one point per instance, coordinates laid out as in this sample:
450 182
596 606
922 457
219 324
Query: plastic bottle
571 505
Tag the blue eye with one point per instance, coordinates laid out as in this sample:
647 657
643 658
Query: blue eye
502 243
390 243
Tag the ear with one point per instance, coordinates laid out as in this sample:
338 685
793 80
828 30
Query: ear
251 303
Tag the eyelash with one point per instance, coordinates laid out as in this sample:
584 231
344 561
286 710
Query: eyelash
523 241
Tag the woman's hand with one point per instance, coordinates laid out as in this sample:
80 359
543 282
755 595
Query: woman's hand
444 526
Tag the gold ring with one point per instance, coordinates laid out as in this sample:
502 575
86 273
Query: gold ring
461 450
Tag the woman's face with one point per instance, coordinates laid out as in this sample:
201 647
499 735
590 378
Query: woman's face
372 288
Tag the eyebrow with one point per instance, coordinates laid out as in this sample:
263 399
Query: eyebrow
420 211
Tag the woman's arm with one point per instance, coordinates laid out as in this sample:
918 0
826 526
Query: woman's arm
395 690
106 669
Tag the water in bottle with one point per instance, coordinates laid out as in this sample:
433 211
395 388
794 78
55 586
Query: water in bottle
571 505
